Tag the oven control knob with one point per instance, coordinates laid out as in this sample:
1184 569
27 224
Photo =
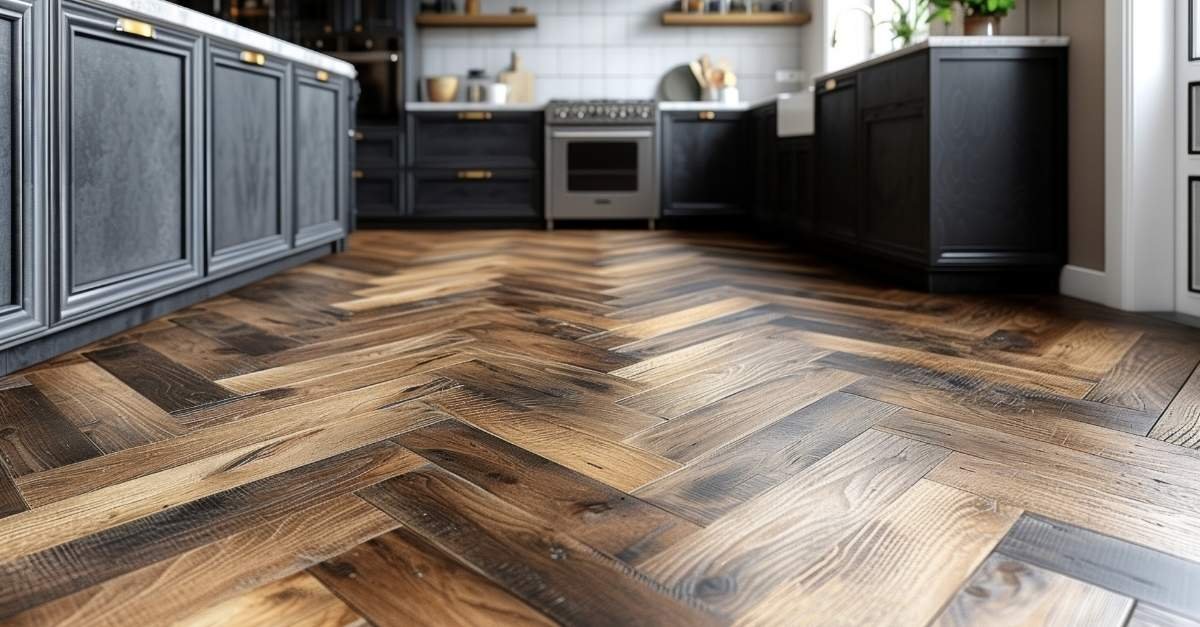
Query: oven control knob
581 114
624 114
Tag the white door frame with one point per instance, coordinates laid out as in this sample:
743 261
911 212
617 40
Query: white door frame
1140 185
1187 71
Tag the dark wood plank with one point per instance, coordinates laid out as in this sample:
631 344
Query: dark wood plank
35 436
1169 582
399 579
11 501
607 519
714 484
40 577
246 338
551 571
167 384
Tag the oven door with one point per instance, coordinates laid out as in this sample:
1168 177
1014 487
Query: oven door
603 173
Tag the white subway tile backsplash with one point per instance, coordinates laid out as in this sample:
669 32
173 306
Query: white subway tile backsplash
614 49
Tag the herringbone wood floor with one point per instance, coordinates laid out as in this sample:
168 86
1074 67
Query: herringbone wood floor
613 428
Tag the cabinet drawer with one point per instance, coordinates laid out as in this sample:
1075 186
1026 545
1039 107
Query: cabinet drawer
379 192
378 146
475 194
475 139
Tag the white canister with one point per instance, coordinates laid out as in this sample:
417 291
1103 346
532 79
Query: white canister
498 93
731 95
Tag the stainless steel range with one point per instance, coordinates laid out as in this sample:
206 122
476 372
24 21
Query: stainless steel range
602 160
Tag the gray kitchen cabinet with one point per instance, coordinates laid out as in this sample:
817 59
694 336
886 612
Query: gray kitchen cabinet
249 158
322 160
478 139
22 151
129 161
478 194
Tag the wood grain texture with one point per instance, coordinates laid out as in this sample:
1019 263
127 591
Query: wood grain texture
930 539
1146 615
1005 591
400 579
598 427
548 569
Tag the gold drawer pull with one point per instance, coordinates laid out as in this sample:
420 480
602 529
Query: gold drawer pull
323 76
253 58
476 116
358 174
134 27
358 136
708 115
831 84
474 175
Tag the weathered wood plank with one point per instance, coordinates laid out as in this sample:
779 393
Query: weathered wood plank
244 337
164 382
1149 376
1005 591
1180 423
549 570
35 436
297 601
399 579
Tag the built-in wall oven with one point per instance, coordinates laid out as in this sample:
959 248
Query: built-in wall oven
601 161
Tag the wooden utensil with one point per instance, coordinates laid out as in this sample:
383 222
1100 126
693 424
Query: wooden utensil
520 83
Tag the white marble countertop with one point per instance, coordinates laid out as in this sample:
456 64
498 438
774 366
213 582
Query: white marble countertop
168 14
955 42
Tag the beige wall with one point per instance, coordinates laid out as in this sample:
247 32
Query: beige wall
1083 21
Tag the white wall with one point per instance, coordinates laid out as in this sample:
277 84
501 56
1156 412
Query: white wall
618 49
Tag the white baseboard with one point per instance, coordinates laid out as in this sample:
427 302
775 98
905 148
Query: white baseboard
1085 284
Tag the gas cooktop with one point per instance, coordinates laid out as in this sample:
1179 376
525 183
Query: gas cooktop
592 112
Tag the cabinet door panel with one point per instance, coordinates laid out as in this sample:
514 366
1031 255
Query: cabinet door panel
248 191
705 159
837 163
379 193
895 215
129 163
22 138
321 158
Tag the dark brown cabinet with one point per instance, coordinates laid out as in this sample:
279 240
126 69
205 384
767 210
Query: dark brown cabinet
946 167
23 227
129 211
249 159
704 163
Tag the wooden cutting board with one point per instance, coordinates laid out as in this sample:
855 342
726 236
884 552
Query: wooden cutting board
520 82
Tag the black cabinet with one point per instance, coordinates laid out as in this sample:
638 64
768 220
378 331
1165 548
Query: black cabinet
475 139
249 158
379 193
704 163
321 157
946 167
838 190
129 161
795 194
766 208
23 140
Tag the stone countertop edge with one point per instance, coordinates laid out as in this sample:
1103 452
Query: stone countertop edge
168 14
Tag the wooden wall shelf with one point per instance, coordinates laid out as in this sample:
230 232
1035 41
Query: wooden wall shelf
676 18
455 20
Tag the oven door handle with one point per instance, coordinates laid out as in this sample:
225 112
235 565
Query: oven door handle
601 134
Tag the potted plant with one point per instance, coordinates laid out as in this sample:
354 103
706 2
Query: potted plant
906 18
980 17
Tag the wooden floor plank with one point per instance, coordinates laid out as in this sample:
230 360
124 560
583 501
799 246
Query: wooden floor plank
549 570
1149 376
717 482
244 337
930 539
399 579
297 600
166 383
738 561
1146 615
112 415
1180 423
1005 591
35 436
603 517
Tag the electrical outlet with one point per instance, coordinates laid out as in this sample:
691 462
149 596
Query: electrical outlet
790 76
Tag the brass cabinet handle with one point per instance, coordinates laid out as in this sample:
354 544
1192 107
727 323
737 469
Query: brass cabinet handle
323 76
358 136
253 58
708 115
476 116
135 27
475 175
831 84
358 174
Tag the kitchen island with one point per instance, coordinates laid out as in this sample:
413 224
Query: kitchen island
944 165
151 157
